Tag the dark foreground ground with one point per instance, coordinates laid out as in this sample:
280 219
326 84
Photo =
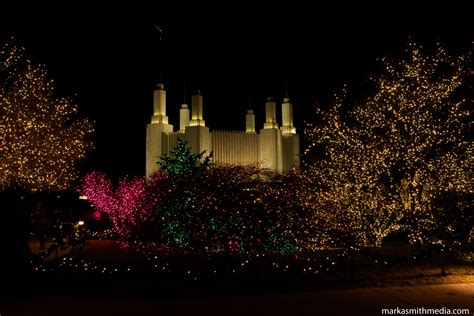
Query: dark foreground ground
364 288
368 301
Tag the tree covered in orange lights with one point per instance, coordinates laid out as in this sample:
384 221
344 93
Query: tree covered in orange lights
42 136
389 158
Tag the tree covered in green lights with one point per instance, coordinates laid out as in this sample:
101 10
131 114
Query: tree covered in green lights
181 168
182 162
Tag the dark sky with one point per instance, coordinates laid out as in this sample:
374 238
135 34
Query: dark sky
110 55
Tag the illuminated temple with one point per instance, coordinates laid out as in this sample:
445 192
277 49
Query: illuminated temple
273 147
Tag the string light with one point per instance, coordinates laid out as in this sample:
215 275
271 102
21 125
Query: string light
42 136
380 165
387 159
194 206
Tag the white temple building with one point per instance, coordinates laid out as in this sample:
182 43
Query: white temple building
274 147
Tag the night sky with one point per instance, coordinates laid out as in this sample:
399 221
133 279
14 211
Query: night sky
110 56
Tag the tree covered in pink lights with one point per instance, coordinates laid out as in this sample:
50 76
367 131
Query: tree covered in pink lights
127 204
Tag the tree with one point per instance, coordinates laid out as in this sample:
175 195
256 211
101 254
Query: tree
181 168
390 157
206 207
193 205
42 136
127 204
181 162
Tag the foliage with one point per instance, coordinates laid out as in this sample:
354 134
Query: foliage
244 209
210 208
127 205
42 136
182 162
389 158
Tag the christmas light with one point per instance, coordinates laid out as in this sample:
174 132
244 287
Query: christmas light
41 134
388 158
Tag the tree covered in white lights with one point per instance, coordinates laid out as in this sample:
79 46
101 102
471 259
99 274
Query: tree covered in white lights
42 136
390 158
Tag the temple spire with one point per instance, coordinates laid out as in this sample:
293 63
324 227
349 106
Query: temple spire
270 114
287 114
197 109
250 119
159 105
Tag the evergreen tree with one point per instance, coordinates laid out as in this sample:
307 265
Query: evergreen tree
183 170
182 162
